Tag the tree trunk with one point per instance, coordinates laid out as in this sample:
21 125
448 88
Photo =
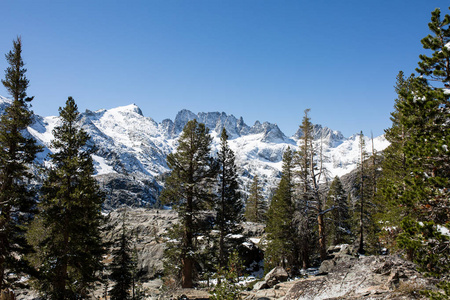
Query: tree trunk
188 261
322 242
188 268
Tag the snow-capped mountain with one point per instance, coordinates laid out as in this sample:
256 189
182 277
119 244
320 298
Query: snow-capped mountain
130 161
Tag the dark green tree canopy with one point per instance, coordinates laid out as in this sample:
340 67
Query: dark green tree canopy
122 264
72 250
17 153
279 225
437 66
229 206
190 188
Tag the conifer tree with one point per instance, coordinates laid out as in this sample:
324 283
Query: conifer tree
229 207
255 207
72 250
392 185
312 200
339 231
304 215
121 267
190 188
17 152
424 192
437 67
365 206
279 225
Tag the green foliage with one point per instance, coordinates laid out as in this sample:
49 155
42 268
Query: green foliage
437 66
416 177
309 233
228 206
437 295
17 152
172 256
255 208
279 226
121 266
189 187
339 231
71 252
227 287
366 205
427 245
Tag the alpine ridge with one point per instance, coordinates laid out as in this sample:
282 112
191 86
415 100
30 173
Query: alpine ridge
131 148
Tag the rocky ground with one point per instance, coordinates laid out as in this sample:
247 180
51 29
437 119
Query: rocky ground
344 276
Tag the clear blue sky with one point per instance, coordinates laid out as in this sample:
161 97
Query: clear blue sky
265 60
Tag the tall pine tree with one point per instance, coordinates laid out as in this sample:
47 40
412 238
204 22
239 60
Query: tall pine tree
121 266
424 193
394 171
190 188
71 253
279 225
229 207
17 152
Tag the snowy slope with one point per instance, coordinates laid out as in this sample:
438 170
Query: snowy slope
132 148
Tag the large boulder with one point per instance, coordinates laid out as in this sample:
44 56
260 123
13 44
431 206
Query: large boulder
276 275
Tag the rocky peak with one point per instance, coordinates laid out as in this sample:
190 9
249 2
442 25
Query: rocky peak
331 137
271 132
181 120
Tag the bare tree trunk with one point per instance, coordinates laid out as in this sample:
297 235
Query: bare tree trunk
322 242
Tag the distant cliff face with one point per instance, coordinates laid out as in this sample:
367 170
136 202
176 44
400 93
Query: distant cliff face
131 149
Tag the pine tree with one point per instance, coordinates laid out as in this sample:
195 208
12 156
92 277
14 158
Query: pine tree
190 188
312 200
416 184
366 205
279 225
392 182
71 211
427 160
255 207
121 267
340 228
426 185
17 152
229 207
437 67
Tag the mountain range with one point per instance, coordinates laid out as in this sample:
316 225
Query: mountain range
131 148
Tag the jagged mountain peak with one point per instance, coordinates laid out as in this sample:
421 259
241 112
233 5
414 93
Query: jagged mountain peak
214 121
330 137
271 132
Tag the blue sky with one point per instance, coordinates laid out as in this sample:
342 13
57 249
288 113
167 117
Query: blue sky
259 59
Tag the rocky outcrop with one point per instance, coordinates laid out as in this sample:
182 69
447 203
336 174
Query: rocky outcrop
125 190
349 276
371 277
150 226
